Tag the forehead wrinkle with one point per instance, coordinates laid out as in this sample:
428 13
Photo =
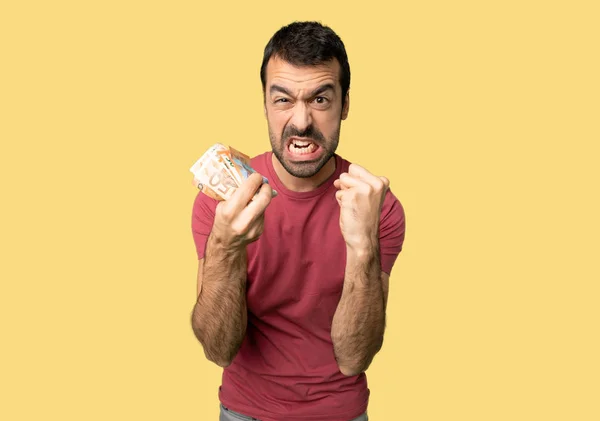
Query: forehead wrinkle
307 85
291 76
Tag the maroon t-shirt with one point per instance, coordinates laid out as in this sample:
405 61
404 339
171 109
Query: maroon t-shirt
286 368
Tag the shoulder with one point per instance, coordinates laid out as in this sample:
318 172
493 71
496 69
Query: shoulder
392 230
392 207
392 225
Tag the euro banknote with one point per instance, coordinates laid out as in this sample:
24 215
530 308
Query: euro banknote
221 170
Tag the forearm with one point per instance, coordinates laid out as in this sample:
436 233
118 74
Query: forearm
359 321
220 316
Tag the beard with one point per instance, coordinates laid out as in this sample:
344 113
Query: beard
304 169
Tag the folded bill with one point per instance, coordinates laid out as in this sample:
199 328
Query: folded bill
221 170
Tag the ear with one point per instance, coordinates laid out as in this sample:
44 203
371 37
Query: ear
346 108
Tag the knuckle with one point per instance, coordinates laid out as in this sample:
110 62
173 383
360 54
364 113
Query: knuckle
227 214
222 210
237 229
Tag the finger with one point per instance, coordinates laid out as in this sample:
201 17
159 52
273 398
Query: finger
339 195
348 181
257 207
364 175
386 182
244 193
338 185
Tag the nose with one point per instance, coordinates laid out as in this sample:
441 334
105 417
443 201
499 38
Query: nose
301 117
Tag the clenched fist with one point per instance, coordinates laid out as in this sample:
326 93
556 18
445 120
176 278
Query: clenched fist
360 196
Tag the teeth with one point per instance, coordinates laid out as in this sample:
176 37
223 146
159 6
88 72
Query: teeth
301 143
308 147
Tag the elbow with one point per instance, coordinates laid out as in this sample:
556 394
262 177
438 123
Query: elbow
355 366
352 368
220 360
349 371
217 357
223 363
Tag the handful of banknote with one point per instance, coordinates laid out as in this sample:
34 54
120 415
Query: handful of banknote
221 170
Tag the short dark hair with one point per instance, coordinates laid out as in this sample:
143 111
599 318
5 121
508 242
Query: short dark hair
307 44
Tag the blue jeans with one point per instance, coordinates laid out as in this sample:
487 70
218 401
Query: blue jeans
229 415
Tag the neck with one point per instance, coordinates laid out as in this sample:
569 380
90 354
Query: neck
300 185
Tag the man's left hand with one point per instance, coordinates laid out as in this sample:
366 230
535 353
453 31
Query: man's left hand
360 196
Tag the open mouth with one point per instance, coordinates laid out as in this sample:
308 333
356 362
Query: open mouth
302 147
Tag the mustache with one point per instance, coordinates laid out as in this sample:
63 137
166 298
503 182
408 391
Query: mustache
309 132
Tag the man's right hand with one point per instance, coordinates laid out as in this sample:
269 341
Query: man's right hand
240 220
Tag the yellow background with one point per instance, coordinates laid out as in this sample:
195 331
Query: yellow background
484 115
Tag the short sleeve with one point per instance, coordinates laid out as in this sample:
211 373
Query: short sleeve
203 216
392 226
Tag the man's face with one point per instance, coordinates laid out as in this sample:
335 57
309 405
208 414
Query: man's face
304 111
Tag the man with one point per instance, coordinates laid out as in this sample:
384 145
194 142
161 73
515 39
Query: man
292 291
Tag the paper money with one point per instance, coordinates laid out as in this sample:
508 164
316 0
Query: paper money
216 181
221 170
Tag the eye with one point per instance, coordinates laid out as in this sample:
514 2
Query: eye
321 100
281 100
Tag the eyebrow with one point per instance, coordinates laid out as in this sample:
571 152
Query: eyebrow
277 88
319 90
